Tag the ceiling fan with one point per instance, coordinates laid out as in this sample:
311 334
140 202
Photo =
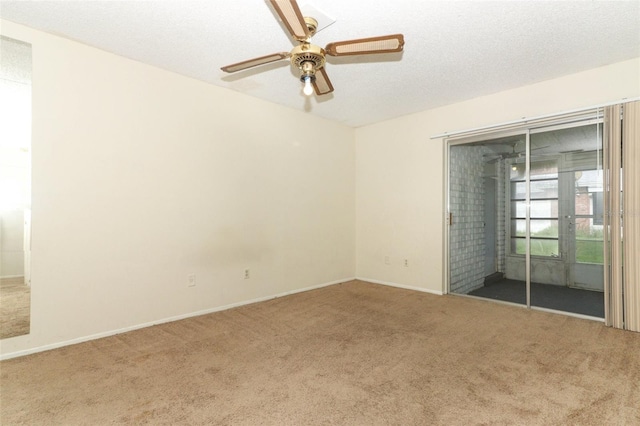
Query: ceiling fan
308 58
513 154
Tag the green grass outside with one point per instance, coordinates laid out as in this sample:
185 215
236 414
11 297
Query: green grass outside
589 246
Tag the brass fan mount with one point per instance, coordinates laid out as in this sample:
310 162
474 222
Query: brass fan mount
312 25
307 57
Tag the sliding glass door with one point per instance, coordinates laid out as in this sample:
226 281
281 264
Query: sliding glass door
526 214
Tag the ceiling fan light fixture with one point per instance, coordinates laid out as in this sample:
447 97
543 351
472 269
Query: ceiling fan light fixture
308 88
308 75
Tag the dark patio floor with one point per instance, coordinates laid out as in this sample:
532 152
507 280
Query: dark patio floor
555 297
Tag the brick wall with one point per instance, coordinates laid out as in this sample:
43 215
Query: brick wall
466 201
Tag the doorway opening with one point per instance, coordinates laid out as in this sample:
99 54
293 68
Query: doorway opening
15 188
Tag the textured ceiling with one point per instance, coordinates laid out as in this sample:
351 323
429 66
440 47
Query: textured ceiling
455 50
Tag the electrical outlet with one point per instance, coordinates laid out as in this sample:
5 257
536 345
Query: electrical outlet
246 274
191 280
406 263
387 260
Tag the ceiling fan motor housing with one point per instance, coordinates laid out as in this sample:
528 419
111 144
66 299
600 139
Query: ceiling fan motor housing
308 58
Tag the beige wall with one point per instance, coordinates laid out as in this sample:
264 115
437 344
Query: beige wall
399 169
142 177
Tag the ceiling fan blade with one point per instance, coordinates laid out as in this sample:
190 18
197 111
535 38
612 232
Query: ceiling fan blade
321 84
292 18
362 46
255 62
540 147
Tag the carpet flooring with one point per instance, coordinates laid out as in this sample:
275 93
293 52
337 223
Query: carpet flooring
349 354
15 307
559 298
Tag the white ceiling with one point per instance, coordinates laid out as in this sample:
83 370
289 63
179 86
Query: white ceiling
455 50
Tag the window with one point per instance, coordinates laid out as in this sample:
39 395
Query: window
588 217
544 208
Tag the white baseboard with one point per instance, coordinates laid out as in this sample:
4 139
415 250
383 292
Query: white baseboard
163 321
406 287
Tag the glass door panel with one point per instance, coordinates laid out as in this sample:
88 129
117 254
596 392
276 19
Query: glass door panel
483 237
566 221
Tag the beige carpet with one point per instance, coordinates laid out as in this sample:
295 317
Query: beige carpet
15 307
355 353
